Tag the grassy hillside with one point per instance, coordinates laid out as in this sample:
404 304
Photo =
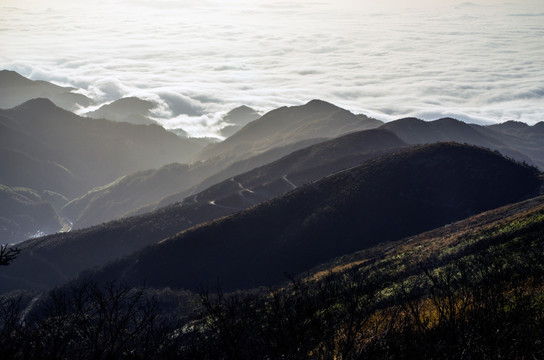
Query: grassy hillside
388 198
472 289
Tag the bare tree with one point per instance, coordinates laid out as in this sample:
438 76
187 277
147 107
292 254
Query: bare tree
8 254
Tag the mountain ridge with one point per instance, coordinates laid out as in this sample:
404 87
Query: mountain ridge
16 89
292 230
280 126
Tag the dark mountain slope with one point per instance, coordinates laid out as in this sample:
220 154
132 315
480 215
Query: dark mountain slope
462 291
16 89
51 260
416 131
95 151
287 125
384 199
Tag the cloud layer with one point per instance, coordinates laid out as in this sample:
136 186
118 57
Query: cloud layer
197 60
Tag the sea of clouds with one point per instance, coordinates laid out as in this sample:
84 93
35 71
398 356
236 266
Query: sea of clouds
478 62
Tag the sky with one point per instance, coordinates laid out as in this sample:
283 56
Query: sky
479 61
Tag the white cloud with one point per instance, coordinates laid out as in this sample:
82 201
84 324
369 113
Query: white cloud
199 60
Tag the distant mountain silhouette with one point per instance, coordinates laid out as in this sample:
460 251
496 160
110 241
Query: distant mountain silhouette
384 199
528 139
16 89
238 118
24 214
81 249
288 125
509 143
78 153
130 109
510 126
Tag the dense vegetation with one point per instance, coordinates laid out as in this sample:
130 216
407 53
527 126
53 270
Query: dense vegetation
469 290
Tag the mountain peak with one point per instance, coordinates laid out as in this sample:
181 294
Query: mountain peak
539 125
242 111
42 103
319 103
405 121
510 124
134 101
10 78
448 121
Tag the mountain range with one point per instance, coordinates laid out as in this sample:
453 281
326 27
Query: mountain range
522 147
15 89
316 119
384 199
303 192
46 262
46 148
